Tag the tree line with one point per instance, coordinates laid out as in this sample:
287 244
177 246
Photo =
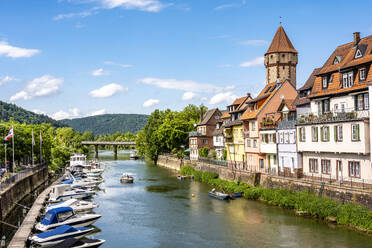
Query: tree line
57 144
167 131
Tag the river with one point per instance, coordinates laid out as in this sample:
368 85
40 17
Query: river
159 211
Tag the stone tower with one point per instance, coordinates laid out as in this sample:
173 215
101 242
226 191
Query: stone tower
281 59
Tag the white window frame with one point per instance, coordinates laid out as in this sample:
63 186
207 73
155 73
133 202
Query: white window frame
339 133
358 54
354 132
362 74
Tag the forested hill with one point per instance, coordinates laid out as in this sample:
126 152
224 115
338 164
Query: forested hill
8 111
108 123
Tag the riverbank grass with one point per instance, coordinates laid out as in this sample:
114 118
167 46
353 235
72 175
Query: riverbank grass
352 215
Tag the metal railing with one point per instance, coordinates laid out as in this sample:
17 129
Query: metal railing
286 124
195 134
333 116
11 179
213 161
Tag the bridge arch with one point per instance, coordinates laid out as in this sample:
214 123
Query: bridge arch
113 143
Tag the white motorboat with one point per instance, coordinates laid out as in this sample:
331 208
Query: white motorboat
133 155
65 216
58 235
63 192
76 205
78 163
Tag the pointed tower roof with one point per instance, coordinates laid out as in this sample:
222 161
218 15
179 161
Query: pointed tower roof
281 43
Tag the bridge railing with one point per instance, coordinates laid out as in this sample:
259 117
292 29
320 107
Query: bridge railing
108 142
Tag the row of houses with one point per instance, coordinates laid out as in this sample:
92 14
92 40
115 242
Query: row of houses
320 130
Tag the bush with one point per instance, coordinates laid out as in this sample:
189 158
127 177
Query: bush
203 152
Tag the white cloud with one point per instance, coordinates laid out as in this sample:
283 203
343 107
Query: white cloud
38 111
144 5
42 86
185 85
81 14
107 90
6 79
254 42
16 52
224 6
97 112
227 97
71 113
99 72
150 103
253 62
117 64
204 99
188 95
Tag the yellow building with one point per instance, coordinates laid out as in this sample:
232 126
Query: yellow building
235 146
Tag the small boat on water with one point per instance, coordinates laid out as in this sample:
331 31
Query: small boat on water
65 216
75 204
133 155
58 235
219 195
181 177
126 178
236 195
63 192
80 243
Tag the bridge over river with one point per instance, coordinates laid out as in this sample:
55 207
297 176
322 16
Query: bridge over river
113 143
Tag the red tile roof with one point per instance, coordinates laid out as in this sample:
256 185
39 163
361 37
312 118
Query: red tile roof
281 43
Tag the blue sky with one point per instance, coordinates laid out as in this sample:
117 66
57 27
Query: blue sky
73 58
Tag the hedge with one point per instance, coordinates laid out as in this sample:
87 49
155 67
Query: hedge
347 214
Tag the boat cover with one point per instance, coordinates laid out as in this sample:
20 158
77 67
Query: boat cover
60 230
69 181
50 216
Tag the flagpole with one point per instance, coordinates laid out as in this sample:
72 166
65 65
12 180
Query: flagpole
40 148
32 142
5 153
13 150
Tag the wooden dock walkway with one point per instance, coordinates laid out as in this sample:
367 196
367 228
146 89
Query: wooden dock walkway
24 231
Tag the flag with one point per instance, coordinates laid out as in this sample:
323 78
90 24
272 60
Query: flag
10 134
41 137
33 138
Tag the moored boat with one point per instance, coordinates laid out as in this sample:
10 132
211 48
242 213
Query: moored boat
63 192
75 204
126 178
58 235
181 177
133 155
219 195
65 216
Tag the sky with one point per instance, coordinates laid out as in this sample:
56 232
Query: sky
76 58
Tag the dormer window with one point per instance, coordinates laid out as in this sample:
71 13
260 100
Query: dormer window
255 106
337 60
325 82
362 74
358 54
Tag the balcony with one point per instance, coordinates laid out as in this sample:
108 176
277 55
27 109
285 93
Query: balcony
268 123
286 124
333 116
195 134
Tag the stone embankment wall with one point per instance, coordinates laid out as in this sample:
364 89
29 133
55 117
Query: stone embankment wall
333 191
20 189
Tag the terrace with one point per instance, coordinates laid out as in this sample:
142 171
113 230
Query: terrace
333 116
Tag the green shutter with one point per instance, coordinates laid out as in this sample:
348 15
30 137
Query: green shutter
327 133
335 134
321 134
300 136
316 134
357 132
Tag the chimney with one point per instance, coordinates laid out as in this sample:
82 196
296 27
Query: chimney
356 38
201 113
249 94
